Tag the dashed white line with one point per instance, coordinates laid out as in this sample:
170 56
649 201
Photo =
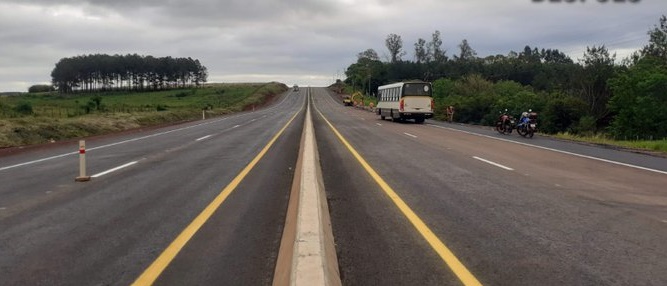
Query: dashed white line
203 138
378 124
235 126
413 136
554 150
114 169
2 208
37 161
138 138
493 163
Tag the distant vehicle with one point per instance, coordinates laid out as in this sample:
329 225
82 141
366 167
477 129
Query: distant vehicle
406 100
296 88
347 101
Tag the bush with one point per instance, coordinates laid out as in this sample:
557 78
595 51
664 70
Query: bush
586 126
24 108
563 114
41 88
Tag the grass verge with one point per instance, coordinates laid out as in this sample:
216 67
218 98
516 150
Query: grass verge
659 146
29 119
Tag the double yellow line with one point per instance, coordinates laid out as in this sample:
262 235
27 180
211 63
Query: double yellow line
150 275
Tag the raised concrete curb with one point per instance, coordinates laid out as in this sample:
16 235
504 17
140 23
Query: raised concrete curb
307 253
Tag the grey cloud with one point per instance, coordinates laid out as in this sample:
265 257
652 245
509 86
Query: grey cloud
299 39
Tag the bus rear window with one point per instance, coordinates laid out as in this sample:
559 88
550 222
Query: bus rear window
417 89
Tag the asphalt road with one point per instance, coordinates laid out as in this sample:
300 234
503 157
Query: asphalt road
515 211
54 231
511 210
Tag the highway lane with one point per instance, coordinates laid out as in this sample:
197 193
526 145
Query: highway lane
59 165
54 231
513 214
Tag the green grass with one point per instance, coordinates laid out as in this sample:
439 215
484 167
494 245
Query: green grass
647 145
38 118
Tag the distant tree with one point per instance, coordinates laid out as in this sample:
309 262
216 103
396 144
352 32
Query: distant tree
529 55
40 88
369 54
434 50
563 113
657 46
598 68
367 73
104 72
554 56
466 53
640 101
394 44
421 53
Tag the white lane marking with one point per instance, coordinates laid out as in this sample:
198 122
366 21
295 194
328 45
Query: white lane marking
235 126
40 160
493 163
362 118
378 124
2 208
554 150
253 119
413 136
137 139
203 138
114 169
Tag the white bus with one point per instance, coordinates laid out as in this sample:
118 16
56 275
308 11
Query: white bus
405 100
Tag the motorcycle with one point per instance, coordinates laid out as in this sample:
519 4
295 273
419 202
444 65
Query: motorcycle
527 124
505 123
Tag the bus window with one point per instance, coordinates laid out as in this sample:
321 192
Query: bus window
417 89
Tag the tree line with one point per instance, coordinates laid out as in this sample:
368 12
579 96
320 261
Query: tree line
594 94
100 72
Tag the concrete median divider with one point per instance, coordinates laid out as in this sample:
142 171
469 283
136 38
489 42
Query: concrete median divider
307 253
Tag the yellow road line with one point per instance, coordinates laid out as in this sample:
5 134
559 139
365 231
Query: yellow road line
447 255
151 273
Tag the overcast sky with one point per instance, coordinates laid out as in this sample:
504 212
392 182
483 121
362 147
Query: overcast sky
307 42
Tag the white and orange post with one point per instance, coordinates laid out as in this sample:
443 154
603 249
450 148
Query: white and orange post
82 163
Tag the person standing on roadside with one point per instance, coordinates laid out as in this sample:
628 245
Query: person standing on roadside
450 114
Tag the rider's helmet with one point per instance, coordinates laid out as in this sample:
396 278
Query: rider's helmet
524 114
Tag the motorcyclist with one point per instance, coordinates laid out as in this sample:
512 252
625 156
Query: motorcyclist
525 117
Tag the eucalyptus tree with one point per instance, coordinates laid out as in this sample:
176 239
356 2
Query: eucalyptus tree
657 46
421 53
597 68
434 49
394 44
130 72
